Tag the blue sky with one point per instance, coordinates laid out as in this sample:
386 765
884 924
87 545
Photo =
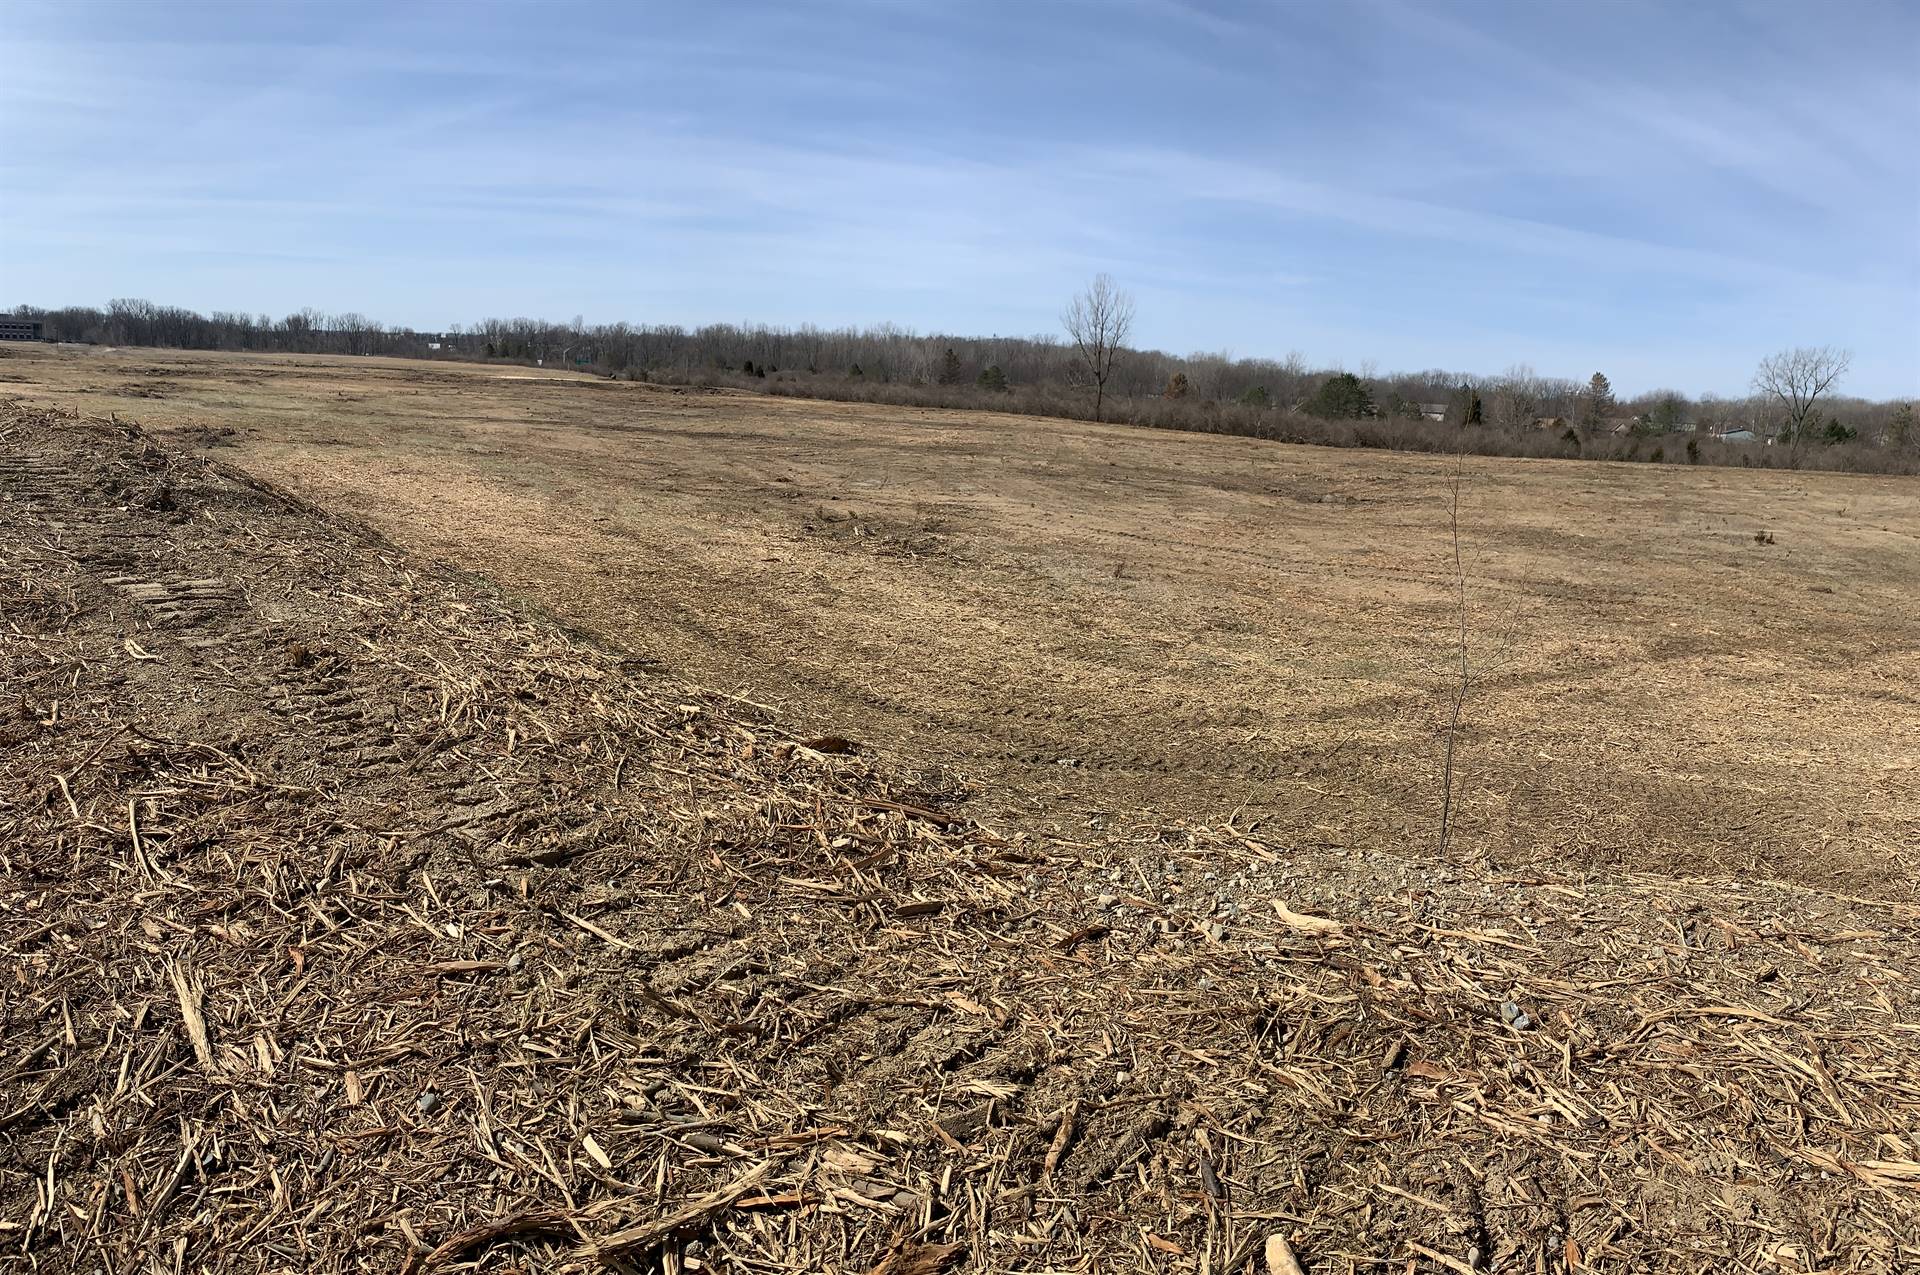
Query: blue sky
1664 191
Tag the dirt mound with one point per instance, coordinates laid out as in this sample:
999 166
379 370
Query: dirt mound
354 917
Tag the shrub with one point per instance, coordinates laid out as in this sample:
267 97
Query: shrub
992 379
1256 417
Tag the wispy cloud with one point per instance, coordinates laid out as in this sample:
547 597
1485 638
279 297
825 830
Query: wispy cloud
1673 190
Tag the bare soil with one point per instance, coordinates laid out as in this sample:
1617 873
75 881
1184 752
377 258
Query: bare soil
1676 670
354 916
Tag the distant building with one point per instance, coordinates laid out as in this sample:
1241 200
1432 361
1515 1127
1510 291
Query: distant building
1433 411
15 329
1737 436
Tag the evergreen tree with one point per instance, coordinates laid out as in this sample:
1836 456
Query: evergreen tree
992 378
1668 415
1596 403
1256 397
1341 397
855 371
950 370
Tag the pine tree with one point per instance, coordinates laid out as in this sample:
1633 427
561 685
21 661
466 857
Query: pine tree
1341 397
1668 414
950 370
1256 397
992 378
1597 404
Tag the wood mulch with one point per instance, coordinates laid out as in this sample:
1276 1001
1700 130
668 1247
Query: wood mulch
355 917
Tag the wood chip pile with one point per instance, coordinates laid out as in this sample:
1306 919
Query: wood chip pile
353 917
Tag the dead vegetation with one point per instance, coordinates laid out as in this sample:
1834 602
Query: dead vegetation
1135 625
352 918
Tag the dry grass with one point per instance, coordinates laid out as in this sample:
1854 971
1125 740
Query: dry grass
1124 626
352 918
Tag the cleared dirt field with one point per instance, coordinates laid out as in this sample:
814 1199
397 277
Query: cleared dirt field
352 918
1127 626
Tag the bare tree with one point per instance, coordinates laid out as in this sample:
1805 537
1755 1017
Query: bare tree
1099 321
1794 380
1516 399
1461 683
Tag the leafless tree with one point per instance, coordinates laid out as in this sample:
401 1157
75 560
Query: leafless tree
1099 321
1460 684
1516 399
1793 380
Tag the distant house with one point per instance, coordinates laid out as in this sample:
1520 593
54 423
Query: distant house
1550 424
1433 411
1737 436
16 329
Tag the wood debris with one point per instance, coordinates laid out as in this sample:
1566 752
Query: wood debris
465 943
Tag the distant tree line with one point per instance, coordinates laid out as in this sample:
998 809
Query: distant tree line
171 327
1095 375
